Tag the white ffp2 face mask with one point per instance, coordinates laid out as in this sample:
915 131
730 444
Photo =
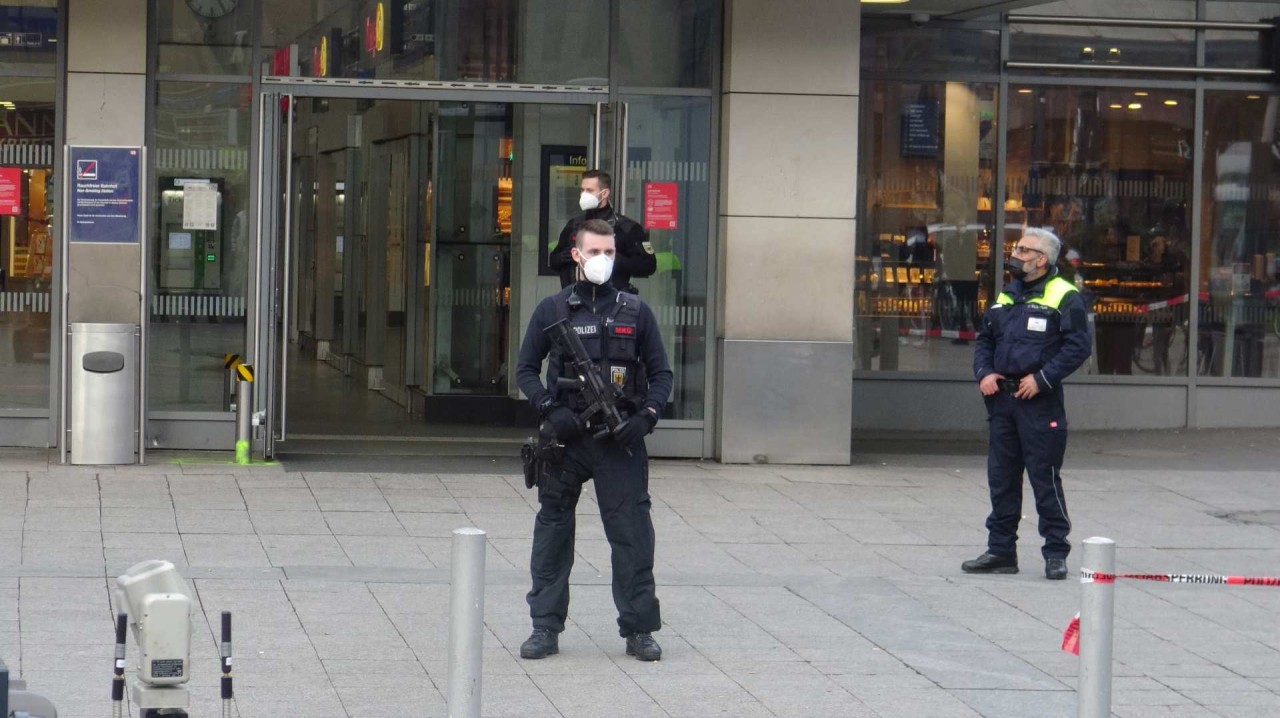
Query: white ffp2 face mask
588 201
598 269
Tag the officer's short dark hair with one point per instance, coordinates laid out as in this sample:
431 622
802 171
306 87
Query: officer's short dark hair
605 181
596 226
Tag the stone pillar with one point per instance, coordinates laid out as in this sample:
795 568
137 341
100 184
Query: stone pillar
106 105
787 201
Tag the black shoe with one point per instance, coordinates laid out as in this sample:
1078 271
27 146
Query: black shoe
643 647
540 644
1055 568
990 563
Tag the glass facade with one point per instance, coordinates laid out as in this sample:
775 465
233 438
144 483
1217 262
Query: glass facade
1180 276
28 250
526 41
420 227
198 277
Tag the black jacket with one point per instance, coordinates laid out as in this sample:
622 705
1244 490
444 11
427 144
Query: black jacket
634 257
598 300
1027 338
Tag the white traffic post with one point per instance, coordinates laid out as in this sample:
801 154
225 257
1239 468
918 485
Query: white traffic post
466 622
1097 621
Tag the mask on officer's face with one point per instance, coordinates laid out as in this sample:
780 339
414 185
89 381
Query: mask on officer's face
598 269
1017 268
588 201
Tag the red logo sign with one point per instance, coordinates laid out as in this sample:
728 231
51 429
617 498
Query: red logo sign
661 204
624 331
10 191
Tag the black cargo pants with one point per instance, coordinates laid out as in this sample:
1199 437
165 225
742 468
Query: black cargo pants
1028 434
622 489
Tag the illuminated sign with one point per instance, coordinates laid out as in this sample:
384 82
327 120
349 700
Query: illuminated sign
381 28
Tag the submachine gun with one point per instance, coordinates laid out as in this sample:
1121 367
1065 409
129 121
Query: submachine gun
577 373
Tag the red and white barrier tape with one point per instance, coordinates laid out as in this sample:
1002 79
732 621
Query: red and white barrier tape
1087 576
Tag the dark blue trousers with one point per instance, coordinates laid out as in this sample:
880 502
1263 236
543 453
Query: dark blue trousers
1028 435
622 489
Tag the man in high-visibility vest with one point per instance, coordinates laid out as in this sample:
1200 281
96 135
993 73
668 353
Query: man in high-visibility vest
1034 336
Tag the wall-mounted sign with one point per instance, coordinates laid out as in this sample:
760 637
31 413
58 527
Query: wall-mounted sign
104 191
11 191
920 129
661 205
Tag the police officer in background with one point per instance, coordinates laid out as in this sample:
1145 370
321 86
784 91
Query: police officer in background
620 335
634 256
1033 337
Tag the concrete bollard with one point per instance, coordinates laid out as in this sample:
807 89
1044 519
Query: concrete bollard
466 622
1097 619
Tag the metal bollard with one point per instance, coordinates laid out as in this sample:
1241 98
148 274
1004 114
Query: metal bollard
466 622
1097 619
244 413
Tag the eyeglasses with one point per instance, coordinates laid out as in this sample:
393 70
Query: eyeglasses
1023 250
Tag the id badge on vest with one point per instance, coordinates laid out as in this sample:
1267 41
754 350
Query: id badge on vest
1037 324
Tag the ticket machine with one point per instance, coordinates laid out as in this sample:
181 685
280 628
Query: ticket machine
191 234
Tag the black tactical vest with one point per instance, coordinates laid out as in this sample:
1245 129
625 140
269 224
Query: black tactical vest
611 339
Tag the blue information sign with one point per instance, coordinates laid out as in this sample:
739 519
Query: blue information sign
104 194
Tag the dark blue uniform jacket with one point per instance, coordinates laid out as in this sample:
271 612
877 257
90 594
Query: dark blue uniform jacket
598 300
1027 338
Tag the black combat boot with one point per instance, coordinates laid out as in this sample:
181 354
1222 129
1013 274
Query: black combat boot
643 647
991 563
1055 569
540 644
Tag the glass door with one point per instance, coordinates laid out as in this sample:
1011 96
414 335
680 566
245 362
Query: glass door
505 183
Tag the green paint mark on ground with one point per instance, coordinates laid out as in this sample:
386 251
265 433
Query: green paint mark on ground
198 461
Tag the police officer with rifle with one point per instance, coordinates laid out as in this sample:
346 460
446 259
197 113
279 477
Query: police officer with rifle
608 381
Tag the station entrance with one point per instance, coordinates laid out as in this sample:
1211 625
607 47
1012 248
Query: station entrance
404 238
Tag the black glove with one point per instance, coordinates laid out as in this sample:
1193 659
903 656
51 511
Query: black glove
565 424
634 429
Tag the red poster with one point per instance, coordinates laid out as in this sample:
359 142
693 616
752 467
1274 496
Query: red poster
280 62
661 203
10 191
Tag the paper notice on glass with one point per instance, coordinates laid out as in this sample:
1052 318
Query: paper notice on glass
200 206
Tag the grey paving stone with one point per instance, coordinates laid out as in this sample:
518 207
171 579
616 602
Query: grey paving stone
306 550
364 523
1017 703
289 522
213 521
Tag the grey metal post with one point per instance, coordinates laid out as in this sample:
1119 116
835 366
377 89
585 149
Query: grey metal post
244 420
466 622
1097 617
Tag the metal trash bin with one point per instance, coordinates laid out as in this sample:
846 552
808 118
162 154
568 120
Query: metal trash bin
104 393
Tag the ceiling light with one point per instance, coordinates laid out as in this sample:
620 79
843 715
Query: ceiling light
1255 97
1024 90
1141 94
1116 106
1113 51
1135 105
1171 103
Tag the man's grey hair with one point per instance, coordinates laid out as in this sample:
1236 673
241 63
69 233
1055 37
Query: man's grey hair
1049 242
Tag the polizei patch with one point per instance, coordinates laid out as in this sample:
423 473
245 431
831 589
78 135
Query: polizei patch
589 329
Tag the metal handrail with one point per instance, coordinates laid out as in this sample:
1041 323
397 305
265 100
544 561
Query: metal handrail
1136 22
1235 71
